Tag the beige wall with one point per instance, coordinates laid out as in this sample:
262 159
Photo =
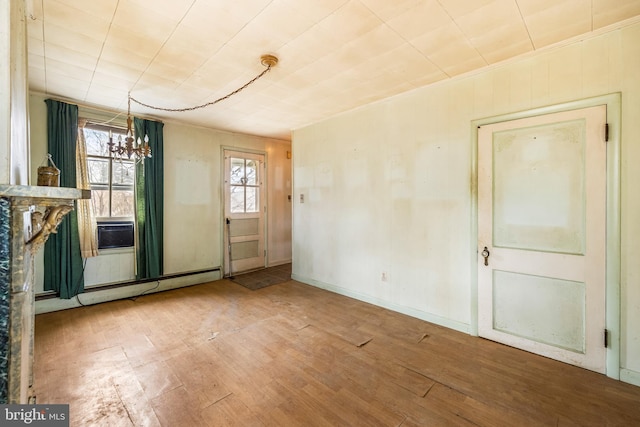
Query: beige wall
388 187
193 196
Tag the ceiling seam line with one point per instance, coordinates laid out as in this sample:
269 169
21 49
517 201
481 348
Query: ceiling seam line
93 74
526 27
409 42
227 42
466 37
163 45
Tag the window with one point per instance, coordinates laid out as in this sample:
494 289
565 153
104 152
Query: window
111 180
244 186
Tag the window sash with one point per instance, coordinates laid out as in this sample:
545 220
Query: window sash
100 183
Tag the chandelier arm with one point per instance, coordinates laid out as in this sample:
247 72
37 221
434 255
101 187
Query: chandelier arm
265 71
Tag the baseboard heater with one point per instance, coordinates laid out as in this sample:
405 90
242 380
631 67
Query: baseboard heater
52 295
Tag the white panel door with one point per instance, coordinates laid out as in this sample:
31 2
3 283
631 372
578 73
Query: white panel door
244 211
541 235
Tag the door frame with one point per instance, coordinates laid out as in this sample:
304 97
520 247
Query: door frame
612 251
223 225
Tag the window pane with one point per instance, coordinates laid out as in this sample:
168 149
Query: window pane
237 171
122 202
237 199
252 199
252 172
98 171
123 173
100 202
97 141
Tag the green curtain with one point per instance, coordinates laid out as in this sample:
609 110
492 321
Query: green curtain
63 270
150 202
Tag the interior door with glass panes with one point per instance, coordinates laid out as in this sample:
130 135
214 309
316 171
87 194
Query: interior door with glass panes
244 210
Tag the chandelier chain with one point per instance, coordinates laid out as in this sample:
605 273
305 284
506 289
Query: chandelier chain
265 71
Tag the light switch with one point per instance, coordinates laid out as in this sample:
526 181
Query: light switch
301 198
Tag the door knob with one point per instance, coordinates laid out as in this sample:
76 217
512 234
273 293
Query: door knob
485 254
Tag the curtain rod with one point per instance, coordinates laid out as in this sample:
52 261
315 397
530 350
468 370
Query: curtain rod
94 107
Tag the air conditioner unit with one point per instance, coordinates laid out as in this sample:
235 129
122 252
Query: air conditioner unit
115 234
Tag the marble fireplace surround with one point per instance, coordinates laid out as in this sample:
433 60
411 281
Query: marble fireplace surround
28 215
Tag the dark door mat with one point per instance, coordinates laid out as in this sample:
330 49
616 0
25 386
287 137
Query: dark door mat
265 277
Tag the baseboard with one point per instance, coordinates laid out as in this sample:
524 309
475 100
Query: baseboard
428 317
279 262
130 291
629 376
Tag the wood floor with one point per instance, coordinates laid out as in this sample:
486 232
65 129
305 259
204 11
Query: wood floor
292 355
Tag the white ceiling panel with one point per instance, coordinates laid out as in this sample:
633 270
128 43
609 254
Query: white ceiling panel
424 17
104 8
459 8
502 36
70 57
350 21
317 10
144 21
87 43
551 21
386 10
83 23
607 12
450 50
124 39
168 8
219 22
334 55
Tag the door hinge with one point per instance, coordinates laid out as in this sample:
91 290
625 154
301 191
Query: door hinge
606 338
606 132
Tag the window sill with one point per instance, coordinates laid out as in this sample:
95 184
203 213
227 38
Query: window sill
116 251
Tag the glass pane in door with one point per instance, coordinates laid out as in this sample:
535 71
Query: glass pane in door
237 199
236 175
252 199
251 172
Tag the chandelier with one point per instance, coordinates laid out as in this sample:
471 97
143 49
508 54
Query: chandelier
140 149
129 147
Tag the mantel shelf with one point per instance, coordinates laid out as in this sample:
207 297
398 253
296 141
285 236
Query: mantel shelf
45 207
41 192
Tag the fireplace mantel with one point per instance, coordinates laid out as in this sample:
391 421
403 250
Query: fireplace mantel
40 192
28 215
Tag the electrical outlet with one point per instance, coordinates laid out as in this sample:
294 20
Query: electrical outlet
384 276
